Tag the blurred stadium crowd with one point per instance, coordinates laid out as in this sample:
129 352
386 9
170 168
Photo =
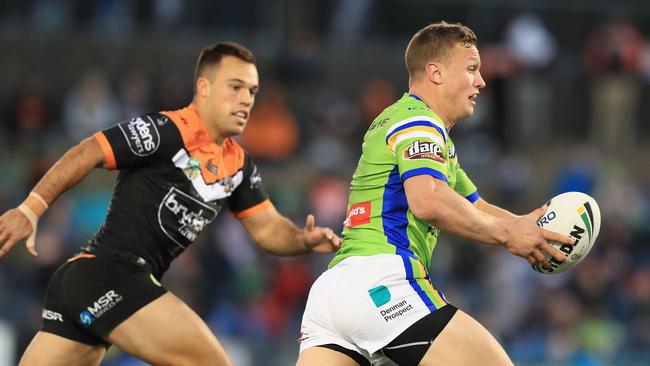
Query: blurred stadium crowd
568 89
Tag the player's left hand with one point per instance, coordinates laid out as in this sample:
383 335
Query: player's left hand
536 214
320 239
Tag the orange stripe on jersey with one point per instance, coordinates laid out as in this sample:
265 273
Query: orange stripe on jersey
79 256
253 210
217 162
109 156
191 126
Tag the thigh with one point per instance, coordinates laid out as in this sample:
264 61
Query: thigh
47 349
91 294
321 356
464 341
378 298
168 332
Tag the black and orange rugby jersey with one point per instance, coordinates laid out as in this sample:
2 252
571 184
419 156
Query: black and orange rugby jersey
173 180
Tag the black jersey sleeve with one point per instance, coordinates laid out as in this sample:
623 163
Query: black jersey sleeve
139 141
250 197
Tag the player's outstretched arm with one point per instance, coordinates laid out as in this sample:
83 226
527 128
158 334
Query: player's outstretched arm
20 223
433 201
494 210
278 235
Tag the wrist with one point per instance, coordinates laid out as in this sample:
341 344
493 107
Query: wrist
36 204
501 232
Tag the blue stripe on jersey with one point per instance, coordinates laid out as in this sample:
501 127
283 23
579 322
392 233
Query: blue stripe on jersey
408 267
418 123
473 197
416 97
422 171
393 212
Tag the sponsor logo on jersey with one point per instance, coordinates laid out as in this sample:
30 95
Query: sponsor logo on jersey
142 136
358 214
52 315
424 150
102 305
182 217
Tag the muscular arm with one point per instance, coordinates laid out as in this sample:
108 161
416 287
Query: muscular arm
68 171
493 210
433 201
19 223
278 235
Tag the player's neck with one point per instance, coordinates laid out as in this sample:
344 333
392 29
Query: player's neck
434 102
209 125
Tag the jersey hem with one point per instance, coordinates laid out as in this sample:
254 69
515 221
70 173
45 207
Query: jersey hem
424 171
251 211
109 155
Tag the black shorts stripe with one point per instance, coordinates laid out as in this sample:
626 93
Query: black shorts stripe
362 361
409 348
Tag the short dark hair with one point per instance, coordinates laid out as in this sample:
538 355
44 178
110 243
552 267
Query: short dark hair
212 55
434 42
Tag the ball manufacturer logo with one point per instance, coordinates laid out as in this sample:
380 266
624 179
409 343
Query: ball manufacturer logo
424 150
142 136
550 216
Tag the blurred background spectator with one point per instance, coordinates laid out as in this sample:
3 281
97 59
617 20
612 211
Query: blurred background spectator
567 92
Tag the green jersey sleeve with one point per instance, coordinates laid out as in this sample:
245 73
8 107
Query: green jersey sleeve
464 186
419 147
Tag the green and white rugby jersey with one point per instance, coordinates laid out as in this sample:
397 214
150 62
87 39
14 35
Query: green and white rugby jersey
405 140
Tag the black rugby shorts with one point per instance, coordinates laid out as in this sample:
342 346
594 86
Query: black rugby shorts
91 294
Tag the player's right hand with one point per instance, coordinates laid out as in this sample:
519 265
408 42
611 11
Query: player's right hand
530 242
14 227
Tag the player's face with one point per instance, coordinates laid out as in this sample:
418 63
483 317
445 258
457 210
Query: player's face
463 81
232 94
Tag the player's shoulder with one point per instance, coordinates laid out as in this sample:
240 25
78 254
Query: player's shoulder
189 124
411 116
410 111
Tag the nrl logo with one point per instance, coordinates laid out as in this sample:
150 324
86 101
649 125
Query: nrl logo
192 169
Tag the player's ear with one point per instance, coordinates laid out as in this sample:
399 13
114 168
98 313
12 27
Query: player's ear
433 72
202 86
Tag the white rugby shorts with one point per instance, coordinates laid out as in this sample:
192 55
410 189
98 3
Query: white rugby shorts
363 303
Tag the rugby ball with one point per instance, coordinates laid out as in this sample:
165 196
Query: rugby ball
574 214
